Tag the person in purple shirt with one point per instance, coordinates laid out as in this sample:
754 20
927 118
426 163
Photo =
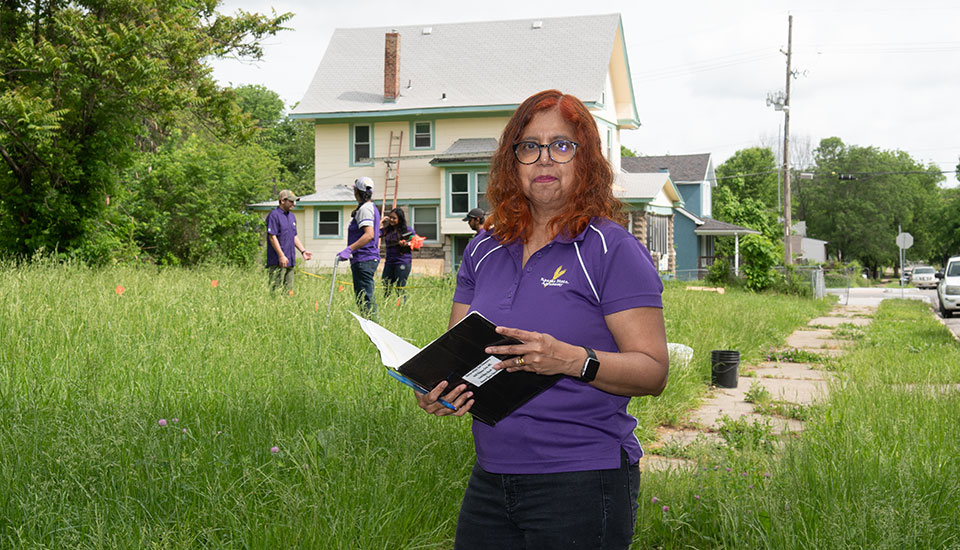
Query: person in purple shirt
363 234
398 258
554 269
282 241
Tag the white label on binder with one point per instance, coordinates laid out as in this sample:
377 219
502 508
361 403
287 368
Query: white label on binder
482 372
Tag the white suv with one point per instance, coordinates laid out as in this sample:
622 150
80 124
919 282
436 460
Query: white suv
948 291
924 277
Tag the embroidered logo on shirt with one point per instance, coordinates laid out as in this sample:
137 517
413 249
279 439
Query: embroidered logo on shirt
556 280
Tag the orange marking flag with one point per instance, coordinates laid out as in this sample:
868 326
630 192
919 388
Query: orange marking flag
416 242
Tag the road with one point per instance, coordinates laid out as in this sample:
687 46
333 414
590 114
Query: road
873 296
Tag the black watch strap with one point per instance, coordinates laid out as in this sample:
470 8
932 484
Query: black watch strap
590 366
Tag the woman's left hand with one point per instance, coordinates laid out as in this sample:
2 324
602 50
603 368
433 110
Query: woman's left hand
539 353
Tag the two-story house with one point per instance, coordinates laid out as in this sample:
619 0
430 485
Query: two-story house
420 109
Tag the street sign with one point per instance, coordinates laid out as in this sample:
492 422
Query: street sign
904 240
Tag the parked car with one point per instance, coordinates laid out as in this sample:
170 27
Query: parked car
948 291
924 277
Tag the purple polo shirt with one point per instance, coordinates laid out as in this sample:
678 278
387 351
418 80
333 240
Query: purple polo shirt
366 214
396 254
284 226
565 290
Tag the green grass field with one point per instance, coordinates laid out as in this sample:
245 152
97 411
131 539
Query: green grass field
279 431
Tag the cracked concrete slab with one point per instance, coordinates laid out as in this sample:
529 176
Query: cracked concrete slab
837 321
796 383
814 340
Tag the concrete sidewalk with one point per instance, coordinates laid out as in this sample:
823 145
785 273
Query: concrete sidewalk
787 383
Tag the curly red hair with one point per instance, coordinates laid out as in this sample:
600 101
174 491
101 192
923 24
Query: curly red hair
593 195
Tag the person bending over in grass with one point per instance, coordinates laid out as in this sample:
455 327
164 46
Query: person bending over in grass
557 272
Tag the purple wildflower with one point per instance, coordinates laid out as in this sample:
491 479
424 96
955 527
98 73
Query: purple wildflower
274 449
665 508
654 500
162 422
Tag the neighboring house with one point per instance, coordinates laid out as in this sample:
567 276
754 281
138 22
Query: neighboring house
695 179
420 109
651 200
810 250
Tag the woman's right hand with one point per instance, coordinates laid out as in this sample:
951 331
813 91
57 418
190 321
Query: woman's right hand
458 397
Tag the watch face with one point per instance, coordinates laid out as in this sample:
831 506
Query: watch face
590 366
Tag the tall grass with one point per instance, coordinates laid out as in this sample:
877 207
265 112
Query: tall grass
278 430
878 466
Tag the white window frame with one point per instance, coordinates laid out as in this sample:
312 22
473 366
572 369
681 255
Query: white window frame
436 221
316 223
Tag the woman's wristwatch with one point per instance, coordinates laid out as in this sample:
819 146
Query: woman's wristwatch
590 366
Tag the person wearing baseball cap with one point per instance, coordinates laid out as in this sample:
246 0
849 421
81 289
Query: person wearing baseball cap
282 241
475 219
363 250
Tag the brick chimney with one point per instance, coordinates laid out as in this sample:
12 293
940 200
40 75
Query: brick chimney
391 67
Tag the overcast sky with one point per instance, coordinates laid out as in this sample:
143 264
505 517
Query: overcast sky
883 73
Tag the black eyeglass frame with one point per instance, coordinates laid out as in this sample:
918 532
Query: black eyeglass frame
547 147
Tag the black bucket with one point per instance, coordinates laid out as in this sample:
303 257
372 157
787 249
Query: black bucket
724 365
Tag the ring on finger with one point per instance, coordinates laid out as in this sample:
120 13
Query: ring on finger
520 362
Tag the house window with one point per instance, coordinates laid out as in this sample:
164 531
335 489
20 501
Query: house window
362 145
482 191
424 219
422 135
466 190
658 234
459 193
327 223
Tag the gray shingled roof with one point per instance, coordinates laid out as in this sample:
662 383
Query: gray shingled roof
466 150
682 168
643 187
489 64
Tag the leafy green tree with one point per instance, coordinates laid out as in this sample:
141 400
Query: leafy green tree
861 196
188 201
746 195
84 86
626 152
751 173
292 140
948 224
759 257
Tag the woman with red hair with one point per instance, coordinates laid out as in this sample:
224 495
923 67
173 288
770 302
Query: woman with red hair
554 269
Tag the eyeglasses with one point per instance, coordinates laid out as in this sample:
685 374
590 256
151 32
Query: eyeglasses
561 151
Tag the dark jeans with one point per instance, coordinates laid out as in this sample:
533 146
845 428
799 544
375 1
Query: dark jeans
395 275
594 509
363 273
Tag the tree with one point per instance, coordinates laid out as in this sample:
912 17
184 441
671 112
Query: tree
84 85
625 152
292 140
751 173
861 197
947 224
188 200
746 196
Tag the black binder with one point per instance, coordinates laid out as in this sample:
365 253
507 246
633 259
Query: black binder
458 357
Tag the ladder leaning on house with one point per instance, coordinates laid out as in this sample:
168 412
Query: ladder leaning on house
392 179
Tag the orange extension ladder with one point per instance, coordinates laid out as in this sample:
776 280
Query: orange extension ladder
392 178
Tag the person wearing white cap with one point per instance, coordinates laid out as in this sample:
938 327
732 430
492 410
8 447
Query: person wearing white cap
363 251
282 241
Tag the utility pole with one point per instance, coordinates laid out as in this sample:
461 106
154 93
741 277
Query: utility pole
787 247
